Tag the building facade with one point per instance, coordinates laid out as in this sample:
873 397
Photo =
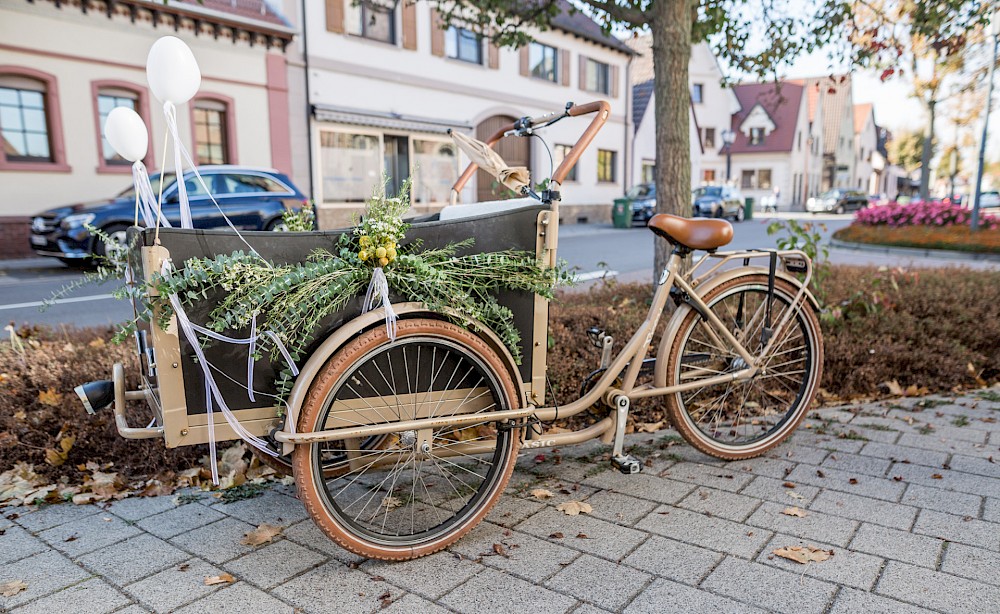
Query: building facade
64 66
836 99
777 152
385 86
865 149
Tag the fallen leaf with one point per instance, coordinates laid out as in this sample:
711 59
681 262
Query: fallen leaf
222 578
796 495
541 493
50 397
385 599
803 554
820 474
937 476
183 567
499 549
556 535
894 388
9 589
582 536
788 485
852 481
897 478
261 535
794 511
20 415
649 427
574 508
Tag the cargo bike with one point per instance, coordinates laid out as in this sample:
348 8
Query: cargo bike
401 443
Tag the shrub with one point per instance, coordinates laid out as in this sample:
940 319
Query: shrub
921 213
958 238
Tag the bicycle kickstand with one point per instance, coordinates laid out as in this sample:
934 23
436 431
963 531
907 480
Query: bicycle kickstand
625 463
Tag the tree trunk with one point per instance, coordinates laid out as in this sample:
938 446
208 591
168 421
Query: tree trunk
670 24
928 152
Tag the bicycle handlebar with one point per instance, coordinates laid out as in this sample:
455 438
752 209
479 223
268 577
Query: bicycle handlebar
601 107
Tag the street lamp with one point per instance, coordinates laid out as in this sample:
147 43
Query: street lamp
995 30
728 138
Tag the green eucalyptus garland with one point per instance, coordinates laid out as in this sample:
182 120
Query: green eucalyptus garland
291 300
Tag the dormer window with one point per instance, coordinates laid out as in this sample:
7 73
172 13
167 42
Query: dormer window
756 136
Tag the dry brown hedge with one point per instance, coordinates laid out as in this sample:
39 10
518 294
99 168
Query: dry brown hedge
922 327
959 238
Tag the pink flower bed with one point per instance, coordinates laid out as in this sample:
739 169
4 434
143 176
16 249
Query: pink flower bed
919 213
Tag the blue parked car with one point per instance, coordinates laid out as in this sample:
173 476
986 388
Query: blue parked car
252 198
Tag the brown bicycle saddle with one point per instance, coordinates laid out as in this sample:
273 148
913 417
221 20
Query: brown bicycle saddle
694 234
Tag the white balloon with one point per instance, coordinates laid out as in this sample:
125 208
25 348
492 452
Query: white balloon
126 132
171 71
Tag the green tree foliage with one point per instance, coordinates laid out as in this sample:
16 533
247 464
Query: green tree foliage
907 149
927 43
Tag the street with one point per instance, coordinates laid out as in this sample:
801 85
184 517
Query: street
595 250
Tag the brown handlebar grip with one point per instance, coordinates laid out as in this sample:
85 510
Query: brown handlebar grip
590 107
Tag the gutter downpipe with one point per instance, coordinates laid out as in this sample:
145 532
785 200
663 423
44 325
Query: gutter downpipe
309 113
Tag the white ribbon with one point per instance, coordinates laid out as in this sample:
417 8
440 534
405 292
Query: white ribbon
191 331
379 289
170 112
146 199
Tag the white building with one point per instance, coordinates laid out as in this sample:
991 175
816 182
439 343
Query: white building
64 66
385 85
837 103
712 106
865 148
778 148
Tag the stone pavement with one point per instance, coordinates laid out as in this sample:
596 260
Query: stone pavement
905 493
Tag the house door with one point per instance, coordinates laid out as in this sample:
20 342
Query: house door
515 151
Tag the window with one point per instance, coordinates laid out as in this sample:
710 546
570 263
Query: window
764 179
249 184
543 62
211 128
756 179
708 138
708 175
561 152
373 19
606 165
462 44
697 93
24 121
106 101
649 171
596 77
756 136
349 166
435 170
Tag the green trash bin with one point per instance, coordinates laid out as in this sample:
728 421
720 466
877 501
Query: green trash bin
748 208
621 213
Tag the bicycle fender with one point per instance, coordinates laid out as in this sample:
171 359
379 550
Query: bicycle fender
673 326
338 338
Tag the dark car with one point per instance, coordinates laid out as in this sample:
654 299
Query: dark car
837 201
717 201
643 198
252 199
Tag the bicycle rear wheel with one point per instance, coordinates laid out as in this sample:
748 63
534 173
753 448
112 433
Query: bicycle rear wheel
421 490
742 419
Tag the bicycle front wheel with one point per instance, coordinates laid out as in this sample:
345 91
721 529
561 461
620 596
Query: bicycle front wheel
420 490
742 419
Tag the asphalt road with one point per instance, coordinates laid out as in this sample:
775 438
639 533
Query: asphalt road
594 249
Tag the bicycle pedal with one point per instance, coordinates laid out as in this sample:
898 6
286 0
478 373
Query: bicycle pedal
627 464
596 336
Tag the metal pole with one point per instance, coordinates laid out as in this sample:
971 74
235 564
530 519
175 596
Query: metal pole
986 126
729 163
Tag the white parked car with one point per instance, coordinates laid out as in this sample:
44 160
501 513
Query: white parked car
989 199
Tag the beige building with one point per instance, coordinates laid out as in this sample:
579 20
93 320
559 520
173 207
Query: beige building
836 99
865 149
65 65
385 84
778 147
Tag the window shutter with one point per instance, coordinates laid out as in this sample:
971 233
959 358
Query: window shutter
564 66
409 13
335 16
437 34
614 81
494 55
525 67
583 72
